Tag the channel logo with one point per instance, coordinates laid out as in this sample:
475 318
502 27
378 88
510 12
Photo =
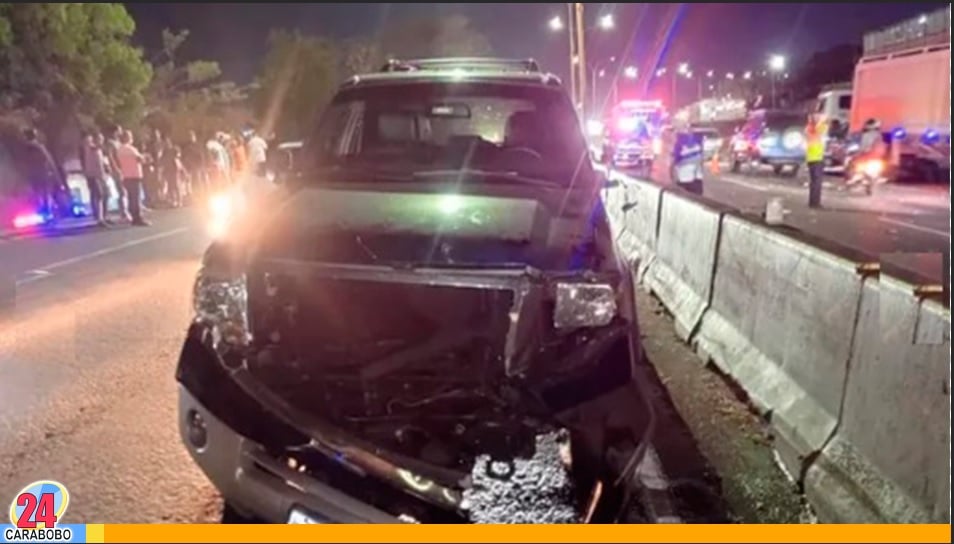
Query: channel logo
36 514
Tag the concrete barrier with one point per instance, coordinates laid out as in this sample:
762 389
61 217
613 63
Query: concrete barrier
890 458
780 322
640 222
681 275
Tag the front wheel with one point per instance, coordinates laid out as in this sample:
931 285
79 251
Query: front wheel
736 165
232 516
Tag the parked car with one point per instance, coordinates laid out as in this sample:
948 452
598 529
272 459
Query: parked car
770 137
433 287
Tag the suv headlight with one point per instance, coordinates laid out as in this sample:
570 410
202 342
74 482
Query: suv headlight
584 305
222 303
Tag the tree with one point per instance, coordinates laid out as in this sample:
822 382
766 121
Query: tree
360 56
71 64
192 96
450 36
300 75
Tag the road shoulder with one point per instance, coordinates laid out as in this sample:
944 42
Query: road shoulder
735 442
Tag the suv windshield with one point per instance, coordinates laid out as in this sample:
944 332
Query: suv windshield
416 129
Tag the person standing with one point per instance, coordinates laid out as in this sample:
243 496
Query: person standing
122 197
257 154
131 167
44 176
688 158
152 182
93 160
816 131
221 165
195 161
169 168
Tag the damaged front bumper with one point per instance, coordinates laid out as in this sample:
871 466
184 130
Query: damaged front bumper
269 456
256 482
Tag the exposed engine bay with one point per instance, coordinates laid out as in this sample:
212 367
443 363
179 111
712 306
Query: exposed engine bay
438 372
420 374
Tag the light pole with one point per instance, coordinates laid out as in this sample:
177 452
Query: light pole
776 65
577 35
681 70
598 70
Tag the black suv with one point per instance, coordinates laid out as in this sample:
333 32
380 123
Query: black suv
433 288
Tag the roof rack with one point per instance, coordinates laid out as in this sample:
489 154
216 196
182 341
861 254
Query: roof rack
462 63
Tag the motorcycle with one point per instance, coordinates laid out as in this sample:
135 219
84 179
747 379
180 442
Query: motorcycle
868 171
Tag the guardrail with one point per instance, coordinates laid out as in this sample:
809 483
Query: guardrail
850 367
922 31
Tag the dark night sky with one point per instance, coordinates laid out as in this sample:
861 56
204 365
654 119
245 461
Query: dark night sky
720 36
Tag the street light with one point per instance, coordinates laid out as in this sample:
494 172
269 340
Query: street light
730 76
710 73
607 22
747 75
556 23
660 72
631 72
683 68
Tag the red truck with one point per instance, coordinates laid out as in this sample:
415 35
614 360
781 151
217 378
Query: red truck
904 80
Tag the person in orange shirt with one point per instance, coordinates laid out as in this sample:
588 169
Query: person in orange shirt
239 158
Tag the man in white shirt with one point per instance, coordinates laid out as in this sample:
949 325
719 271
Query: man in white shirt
257 154
131 170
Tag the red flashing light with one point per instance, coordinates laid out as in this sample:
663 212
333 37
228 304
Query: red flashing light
28 220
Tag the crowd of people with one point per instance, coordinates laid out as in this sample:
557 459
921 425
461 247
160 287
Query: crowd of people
156 173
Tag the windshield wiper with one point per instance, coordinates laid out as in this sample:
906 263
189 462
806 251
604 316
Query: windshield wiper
489 176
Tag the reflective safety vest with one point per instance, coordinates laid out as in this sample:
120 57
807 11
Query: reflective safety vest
815 145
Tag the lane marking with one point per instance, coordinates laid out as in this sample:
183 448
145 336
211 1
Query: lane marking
45 270
915 227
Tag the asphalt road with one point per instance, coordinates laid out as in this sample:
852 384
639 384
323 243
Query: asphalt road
906 227
87 354
88 347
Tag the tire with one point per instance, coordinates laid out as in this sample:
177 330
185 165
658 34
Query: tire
778 169
231 516
793 171
736 166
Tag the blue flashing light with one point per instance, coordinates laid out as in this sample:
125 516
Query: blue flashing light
899 133
931 137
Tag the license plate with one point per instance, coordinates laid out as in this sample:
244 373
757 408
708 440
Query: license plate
299 517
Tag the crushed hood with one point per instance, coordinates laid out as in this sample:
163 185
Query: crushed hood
431 228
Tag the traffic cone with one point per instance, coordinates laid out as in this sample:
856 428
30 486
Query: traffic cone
714 164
